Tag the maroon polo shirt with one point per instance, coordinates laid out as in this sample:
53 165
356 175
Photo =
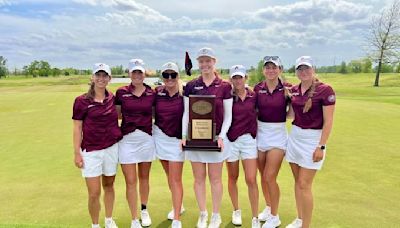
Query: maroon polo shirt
272 107
221 89
244 116
169 112
313 119
99 122
136 111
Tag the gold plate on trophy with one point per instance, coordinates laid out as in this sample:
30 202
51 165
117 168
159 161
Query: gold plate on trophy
202 107
201 129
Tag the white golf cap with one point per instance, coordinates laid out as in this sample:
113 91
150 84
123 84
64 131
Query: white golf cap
272 59
136 64
101 67
170 66
237 70
304 60
205 51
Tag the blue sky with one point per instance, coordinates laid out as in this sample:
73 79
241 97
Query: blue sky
78 33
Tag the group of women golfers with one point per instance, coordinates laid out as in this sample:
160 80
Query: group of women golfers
250 126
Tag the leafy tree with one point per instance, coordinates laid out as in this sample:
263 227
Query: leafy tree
343 68
3 67
384 37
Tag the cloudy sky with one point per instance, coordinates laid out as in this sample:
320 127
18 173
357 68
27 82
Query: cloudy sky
78 33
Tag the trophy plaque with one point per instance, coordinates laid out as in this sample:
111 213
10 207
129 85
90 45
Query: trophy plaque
202 126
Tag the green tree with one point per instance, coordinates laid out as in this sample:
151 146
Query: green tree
3 67
366 65
343 68
355 66
257 75
117 70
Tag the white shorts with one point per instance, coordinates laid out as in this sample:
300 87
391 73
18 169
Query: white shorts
244 147
100 162
136 147
209 156
167 148
301 146
271 135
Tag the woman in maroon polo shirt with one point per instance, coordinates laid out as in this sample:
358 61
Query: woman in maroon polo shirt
243 146
209 83
167 133
95 137
272 103
135 103
313 105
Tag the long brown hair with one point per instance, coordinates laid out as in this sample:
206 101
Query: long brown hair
308 104
91 93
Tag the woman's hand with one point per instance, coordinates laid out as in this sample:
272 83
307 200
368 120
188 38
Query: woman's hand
318 154
183 143
220 143
78 160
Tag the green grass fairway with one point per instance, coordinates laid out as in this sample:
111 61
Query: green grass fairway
359 185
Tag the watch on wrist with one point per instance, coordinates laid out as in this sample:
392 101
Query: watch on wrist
322 147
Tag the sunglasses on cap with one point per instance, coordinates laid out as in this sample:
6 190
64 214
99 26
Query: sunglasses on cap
172 75
269 58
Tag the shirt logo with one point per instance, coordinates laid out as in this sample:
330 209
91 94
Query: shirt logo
161 94
331 98
89 106
262 91
127 95
198 87
217 86
149 93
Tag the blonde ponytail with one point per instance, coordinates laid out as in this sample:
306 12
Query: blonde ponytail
308 104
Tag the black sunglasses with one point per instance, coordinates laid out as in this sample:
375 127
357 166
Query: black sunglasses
172 75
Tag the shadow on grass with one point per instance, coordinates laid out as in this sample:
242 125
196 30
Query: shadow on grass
165 223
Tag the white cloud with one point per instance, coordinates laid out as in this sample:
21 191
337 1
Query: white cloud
116 30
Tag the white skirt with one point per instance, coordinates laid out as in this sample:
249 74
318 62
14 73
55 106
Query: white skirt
271 135
301 146
167 148
209 156
136 147
244 147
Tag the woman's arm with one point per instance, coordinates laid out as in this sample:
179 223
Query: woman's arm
118 107
226 124
290 113
326 130
185 120
77 140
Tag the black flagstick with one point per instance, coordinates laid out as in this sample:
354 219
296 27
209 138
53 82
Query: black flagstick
188 64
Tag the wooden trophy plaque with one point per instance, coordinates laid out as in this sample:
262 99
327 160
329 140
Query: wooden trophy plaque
202 126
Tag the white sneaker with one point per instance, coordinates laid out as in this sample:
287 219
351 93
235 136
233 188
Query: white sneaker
237 218
255 223
110 223
135 224
272 222
202 221
145 217
265 214
176 224
215 221
297 223
171 214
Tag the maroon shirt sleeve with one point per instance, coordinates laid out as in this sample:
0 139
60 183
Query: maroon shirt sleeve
79 110
228 91
328 96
